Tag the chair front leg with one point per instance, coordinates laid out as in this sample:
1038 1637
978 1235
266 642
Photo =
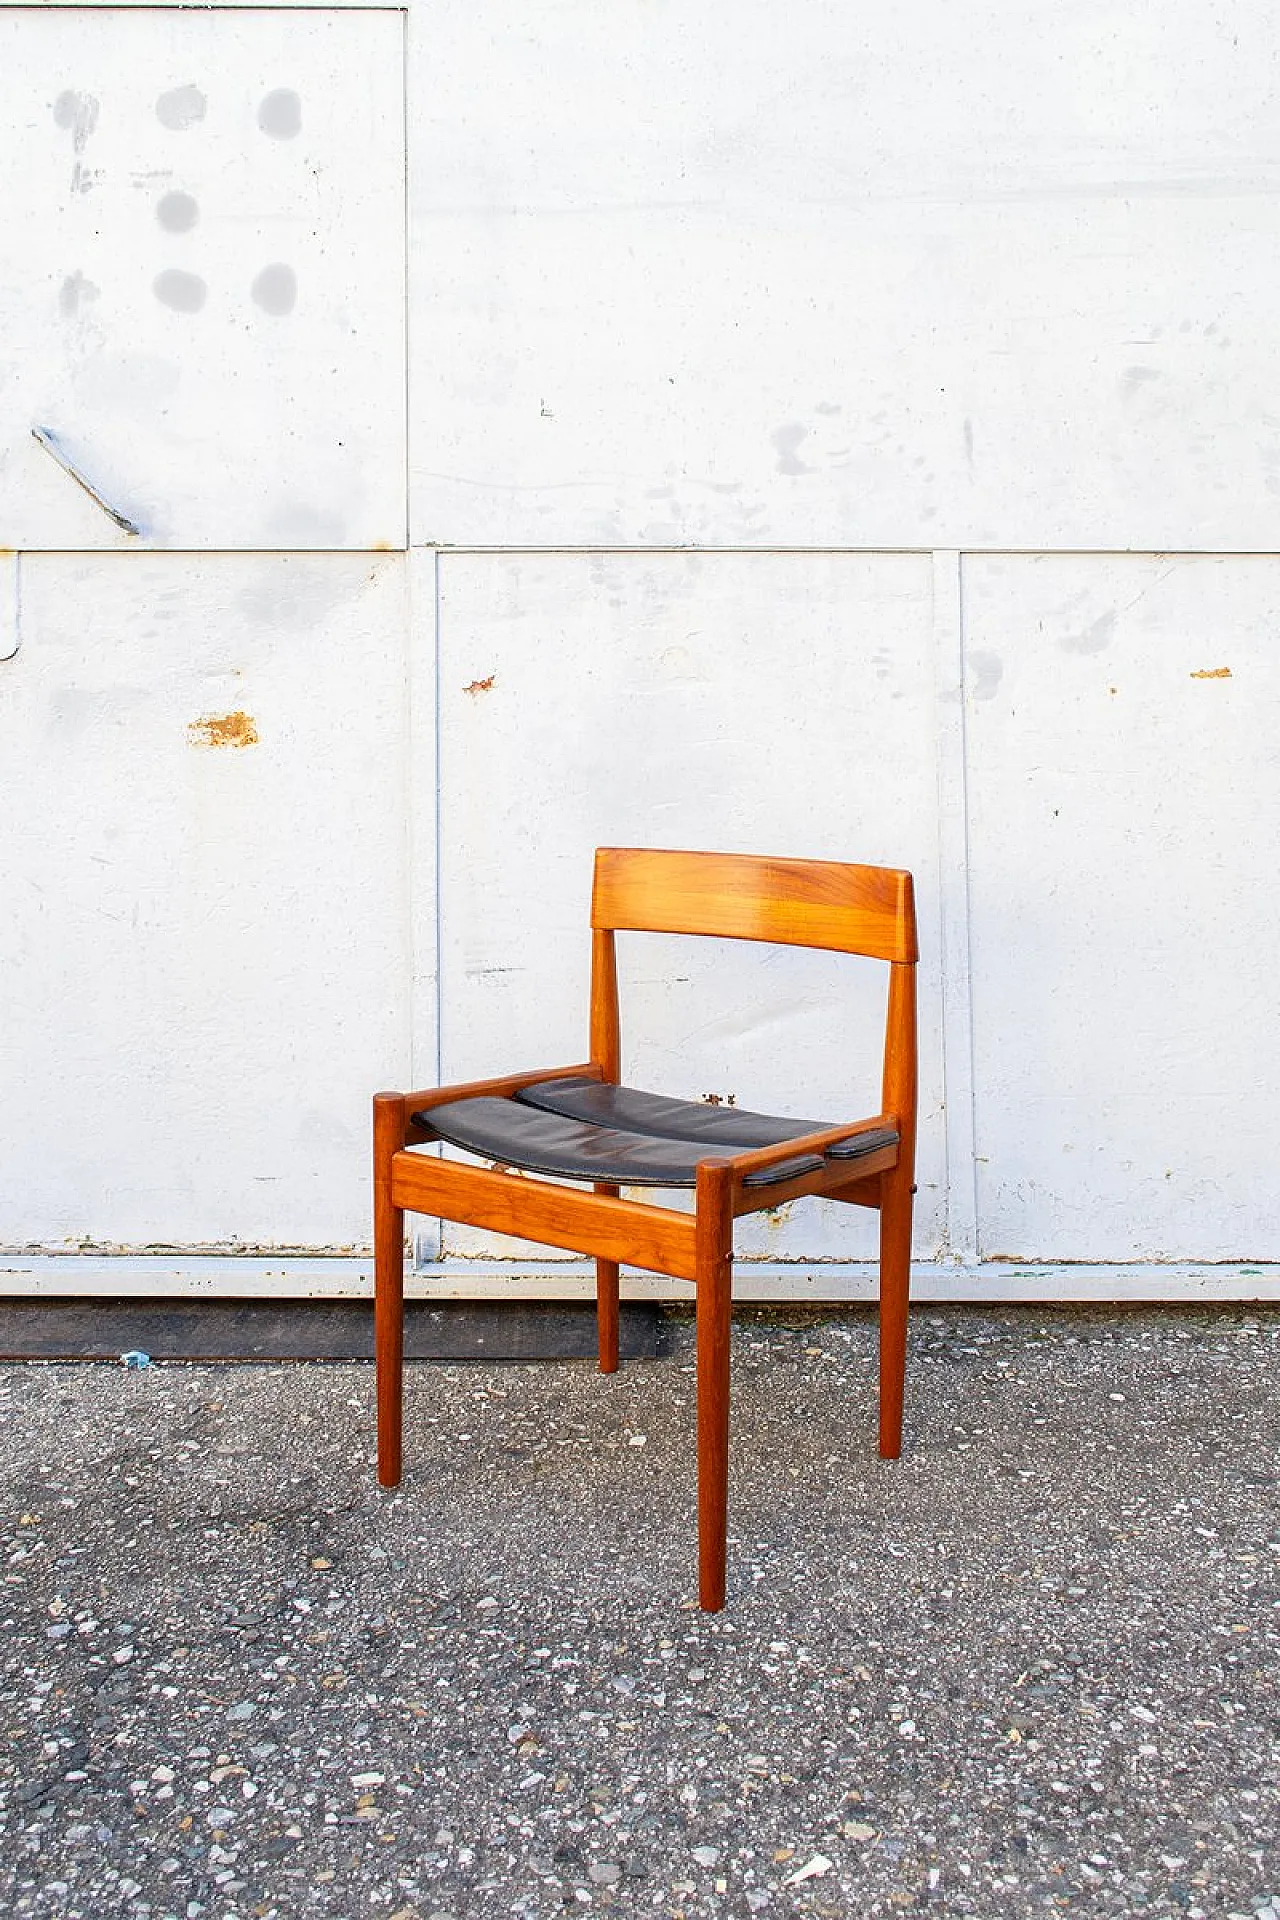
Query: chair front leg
388 1285
714 1252
895 1284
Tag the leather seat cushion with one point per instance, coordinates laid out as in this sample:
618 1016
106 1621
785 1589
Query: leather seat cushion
519 1135
726 1129
587 1130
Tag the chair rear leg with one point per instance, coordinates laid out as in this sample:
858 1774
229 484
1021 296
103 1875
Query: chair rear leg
388 1295
607 1314
714 1324
895 1282
607 1303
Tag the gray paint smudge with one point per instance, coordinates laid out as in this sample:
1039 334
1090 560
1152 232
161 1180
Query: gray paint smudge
177 212
1135 377
986 670
78 113
76 291
293 524
298 593
180 108
787 441
280 114
276 288
1094 638
185 292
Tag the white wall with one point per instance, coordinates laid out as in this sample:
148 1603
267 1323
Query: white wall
1124 801
205 941
202 277
820 275
806 431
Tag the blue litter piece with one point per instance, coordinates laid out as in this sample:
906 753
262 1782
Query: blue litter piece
136 1358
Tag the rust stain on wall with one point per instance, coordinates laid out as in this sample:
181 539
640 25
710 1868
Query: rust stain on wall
481 686
223 730
1212 673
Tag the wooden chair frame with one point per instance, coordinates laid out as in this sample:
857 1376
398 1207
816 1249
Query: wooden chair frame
857 910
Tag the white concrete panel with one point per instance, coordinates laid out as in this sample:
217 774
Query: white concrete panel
205 938
757 703
202 278
1124 810
936 276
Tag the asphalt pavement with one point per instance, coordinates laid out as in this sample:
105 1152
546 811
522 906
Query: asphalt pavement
1030 1668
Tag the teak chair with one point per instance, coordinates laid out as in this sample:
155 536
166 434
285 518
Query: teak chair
578 1123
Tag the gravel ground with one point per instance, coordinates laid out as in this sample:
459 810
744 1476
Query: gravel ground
1030 1668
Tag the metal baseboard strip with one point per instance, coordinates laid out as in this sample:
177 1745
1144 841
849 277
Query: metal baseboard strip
341 1277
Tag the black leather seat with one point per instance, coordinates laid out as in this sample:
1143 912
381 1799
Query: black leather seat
591 1130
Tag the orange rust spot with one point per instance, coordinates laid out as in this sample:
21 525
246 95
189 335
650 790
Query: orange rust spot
1212 673
481 686
223 730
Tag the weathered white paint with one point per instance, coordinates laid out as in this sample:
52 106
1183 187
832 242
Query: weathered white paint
935 276
202 278
953 955
205 947
1125 808
421 1066
939 281
223 6
10 606
751 702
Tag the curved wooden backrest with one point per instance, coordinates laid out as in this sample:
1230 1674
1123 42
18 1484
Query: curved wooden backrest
800 903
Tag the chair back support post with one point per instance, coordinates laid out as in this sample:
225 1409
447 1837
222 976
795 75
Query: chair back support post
898 1095
606 1041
